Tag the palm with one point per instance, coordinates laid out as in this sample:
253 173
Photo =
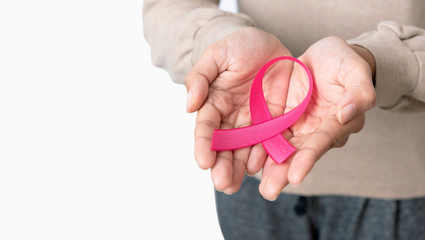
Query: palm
322 106
229 93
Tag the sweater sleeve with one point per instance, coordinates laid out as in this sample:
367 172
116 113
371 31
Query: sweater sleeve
178 31
399 52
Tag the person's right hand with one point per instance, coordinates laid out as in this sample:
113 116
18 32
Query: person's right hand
218 88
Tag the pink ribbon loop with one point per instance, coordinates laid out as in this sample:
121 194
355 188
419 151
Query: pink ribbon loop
265 129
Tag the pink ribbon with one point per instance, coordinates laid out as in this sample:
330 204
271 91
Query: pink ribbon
265 129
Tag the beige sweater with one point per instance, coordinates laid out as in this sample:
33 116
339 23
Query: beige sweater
387 158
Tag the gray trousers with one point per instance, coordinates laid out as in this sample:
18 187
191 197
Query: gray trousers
246 215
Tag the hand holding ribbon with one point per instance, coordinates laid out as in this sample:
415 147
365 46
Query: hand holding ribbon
219 89
343 92
266 129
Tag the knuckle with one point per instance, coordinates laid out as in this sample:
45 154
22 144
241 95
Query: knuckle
214 49
369 98
334 39
342 143
360 123
311 150
332 139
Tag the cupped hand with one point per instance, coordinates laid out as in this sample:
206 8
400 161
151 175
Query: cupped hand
343 92
218 88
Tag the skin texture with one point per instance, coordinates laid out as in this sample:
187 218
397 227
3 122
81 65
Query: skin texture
219 86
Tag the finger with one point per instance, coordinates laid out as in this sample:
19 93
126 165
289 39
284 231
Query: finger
317 143
256 159
342 142
222 171
240 159
202 75
359 96
274 178
207 119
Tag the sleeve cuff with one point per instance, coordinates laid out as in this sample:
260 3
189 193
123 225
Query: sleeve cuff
397 67
215 30
207 25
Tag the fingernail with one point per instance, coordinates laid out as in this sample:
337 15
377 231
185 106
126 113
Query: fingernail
271 199
228 192
189 99
348 112
295 185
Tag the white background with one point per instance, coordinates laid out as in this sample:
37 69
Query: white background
95 142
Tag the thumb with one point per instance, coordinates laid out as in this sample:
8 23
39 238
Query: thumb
358 98
201 76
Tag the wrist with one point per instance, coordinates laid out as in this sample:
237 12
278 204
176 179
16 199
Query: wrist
367 56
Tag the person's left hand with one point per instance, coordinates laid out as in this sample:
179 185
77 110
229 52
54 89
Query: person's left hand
343 91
